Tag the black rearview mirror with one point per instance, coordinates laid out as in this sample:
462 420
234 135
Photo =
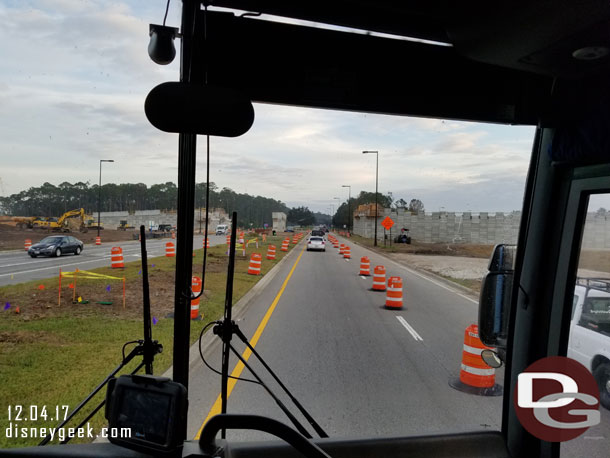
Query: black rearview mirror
495 298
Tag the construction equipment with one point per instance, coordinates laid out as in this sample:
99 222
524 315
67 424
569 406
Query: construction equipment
123 226
62 223
25 222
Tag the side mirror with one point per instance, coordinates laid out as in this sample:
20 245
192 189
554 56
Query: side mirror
495 298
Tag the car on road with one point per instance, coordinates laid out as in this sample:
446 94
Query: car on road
316 243
589 342
56 245
318 233
222 229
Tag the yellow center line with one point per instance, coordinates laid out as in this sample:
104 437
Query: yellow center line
215 410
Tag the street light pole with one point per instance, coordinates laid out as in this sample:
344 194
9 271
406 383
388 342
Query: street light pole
376 153
349 207
99 195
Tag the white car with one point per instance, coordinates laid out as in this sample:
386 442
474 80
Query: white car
222 229
316 243
589 342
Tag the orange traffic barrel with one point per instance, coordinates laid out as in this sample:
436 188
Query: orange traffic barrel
170 250
206 244
341 249
196 287
116 257
393 295
379 278
27 244
173 235
365 266
295 240
228 239
98 240
476 377
335 243
285 244
255 264
241 238
264 237
271 252
347 253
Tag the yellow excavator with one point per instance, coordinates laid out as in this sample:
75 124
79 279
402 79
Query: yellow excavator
62 224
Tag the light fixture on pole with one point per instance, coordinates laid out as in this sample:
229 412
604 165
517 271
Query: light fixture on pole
376 153
99 196
349 207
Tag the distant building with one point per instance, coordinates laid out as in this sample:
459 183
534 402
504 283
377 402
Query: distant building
279 221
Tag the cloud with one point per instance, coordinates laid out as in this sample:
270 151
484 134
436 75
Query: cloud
72 89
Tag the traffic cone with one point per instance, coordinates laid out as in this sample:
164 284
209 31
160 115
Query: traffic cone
170 250
196 287
393 298
255 264
116 258
365 266
347 254
476 377
285 244
271 252
379 278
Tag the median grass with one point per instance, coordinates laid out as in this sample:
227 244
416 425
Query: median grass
54 355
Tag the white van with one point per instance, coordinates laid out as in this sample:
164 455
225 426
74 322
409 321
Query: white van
222 229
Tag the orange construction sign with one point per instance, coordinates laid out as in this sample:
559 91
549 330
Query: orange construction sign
387 223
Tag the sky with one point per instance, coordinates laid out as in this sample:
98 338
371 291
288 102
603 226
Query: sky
73 81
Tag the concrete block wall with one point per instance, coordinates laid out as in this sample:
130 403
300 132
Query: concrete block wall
446 227
478 228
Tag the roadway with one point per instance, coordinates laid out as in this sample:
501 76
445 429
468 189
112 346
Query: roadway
17 266
359 369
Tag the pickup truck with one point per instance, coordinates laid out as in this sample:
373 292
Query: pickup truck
590 331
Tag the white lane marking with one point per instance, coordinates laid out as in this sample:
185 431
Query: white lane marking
56 267
409 328
417 274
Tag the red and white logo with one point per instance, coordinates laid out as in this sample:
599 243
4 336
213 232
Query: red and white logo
556 399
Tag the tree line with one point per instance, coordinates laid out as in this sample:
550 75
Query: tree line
51 200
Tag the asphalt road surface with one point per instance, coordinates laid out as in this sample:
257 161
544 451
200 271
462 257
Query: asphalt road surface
18 267
359 369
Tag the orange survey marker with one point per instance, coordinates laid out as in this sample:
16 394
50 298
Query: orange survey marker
365 266
379 278
347 254
27 244
116 258
255 264
196 287
393 298
170 250
271 252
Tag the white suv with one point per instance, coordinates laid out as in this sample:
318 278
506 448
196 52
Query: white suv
589 342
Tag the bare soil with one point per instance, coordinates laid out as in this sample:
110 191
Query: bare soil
12 238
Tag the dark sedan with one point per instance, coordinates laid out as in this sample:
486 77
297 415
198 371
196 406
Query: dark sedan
56 245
